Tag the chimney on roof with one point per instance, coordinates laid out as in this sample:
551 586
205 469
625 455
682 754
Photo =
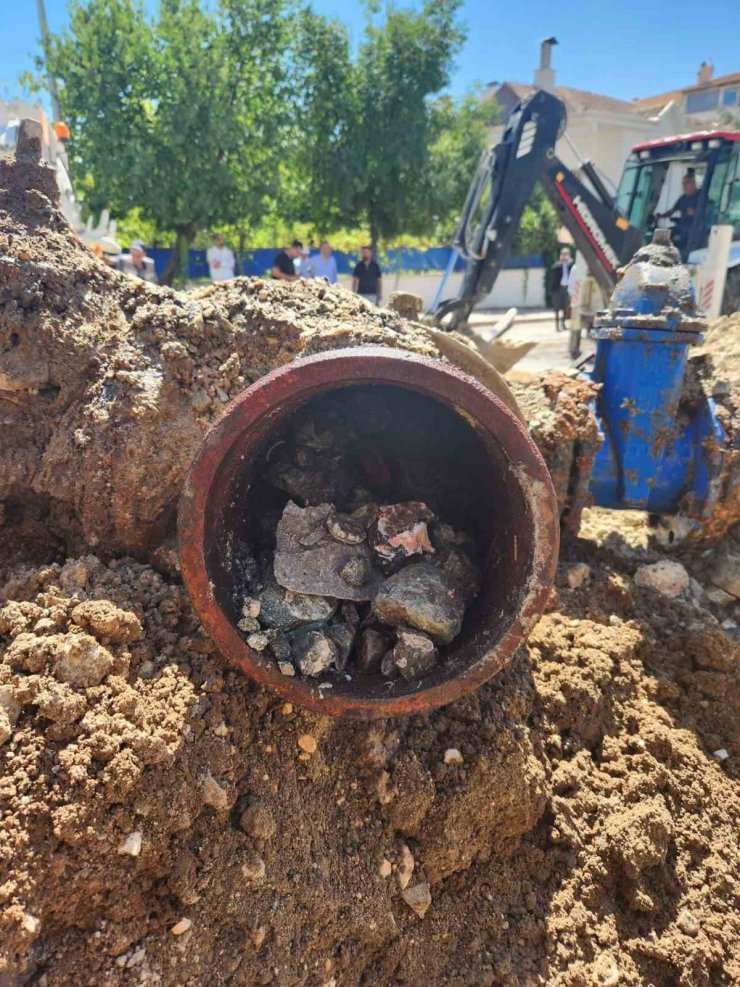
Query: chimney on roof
705 73
544 77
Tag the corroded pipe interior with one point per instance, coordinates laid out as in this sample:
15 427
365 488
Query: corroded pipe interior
450 443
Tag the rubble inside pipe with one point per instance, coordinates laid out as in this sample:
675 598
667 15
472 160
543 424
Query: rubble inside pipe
339 594
343 578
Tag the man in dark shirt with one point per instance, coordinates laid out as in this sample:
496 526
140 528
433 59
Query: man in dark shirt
367 278
283 267
685 206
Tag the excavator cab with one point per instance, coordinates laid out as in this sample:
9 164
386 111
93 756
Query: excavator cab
651 184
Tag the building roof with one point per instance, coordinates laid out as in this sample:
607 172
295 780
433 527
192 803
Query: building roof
652 103
576 100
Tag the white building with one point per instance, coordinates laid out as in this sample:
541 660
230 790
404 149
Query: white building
602 129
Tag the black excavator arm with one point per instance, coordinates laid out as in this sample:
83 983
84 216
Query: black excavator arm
502 185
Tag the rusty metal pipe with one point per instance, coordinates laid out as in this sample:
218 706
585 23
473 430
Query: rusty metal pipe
516 521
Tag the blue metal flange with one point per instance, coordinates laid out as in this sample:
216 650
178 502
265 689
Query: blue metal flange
659 454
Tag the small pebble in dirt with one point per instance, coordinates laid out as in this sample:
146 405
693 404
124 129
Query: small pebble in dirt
307 743
258 642
406 868
131 845
286 668
687 923
251 607
249 625
258 821
213 794
414 654
179 928
721 754
418 898
667 577
386 868
578 575
253 867
453 756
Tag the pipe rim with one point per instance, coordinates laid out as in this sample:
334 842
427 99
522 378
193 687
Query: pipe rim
367 365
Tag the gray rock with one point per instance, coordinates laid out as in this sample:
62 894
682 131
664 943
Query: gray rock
284 610
388 665
346 528
314 652
371 648
457 565
343 637
414 654
357 572
316 569
423 597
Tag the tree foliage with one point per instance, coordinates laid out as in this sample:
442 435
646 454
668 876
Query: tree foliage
182 115
372 124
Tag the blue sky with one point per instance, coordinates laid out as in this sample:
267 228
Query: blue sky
617 49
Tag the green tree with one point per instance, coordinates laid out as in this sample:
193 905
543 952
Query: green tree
371 122
183 115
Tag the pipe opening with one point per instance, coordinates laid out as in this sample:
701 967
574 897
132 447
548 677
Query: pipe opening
412 429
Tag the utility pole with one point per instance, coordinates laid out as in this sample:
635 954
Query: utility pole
45 44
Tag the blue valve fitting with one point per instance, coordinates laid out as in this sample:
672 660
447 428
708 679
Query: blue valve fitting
659 453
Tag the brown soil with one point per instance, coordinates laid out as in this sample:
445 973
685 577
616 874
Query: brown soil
589 836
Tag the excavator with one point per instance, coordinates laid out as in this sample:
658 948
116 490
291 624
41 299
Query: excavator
606 229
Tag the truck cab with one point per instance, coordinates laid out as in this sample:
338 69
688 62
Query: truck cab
651 183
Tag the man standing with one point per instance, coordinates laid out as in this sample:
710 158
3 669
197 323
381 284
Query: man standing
137 264
221 262
324 265
367 278
559 278
283 267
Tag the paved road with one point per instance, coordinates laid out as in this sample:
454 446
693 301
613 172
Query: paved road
551 351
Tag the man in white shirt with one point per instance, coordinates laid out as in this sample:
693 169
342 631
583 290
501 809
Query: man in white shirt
324 265
220 260
559 278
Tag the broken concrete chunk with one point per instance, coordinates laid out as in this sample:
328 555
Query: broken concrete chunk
372 646
667 577
314 652
400 531
283 609
346 528
414 654
343 637
319 569
457 565
423 597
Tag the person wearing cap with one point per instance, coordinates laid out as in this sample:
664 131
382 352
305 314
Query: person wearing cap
137 264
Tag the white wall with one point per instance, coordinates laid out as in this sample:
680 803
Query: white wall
521 287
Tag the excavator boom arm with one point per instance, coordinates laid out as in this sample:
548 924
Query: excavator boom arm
509 173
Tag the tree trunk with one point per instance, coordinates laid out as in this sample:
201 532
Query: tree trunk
374 237
184 236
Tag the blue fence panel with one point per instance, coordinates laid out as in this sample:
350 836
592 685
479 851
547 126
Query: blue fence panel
257 263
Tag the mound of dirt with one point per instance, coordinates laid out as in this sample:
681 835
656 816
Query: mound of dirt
165 822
